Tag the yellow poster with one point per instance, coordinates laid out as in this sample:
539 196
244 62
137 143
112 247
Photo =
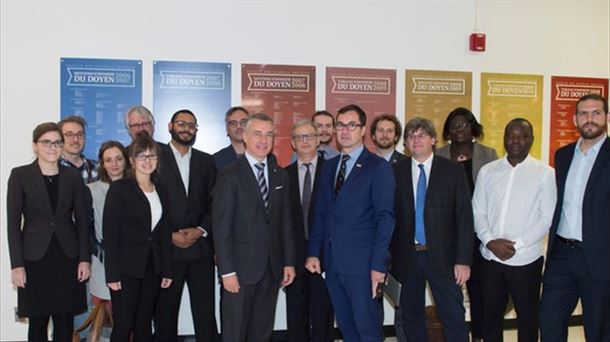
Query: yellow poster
434 94
508 96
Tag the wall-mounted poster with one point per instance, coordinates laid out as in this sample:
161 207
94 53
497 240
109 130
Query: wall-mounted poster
101 91
203 88
287 93
433 94
508 96
565 91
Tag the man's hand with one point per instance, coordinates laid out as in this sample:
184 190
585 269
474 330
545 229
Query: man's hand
312 264
289 275
502 248
461 274
116 286
376 279
84 271
180 240
193 233
165 283
231 283
18 277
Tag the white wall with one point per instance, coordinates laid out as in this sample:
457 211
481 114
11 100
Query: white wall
539 37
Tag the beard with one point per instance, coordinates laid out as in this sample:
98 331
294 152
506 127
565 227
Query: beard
592 134
384 145
176 136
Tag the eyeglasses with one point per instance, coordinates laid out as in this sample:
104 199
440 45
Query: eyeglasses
143 157
49 143
72 135
184 124
351 126
304 137
461 125
417 136
235 123
142 125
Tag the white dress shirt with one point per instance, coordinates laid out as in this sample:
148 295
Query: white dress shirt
184 165
156 210
514 203
252 161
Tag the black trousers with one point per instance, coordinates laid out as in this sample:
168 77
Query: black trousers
473 285
199 275
63 326
522 283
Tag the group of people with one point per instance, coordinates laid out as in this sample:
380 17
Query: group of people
328 228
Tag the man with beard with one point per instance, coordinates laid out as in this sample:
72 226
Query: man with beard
188 175
235 118
138 119
325 123
73 130
578 263
385 132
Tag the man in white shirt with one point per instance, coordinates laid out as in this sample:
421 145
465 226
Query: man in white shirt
513 207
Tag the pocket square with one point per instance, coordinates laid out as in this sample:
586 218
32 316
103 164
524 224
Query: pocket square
279 187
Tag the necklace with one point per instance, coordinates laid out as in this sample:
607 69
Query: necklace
462 157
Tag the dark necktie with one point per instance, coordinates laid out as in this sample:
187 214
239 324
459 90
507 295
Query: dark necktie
262 183
306 198
420 204
342 172
321 153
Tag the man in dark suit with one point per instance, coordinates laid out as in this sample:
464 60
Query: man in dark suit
578 263
434 238
235 119
352 226
253 235
309 315
385 133
188 175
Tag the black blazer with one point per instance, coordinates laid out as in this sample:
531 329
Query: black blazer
448 216
246 237
194 209
595 209
27 197
396 157
128 240
297 210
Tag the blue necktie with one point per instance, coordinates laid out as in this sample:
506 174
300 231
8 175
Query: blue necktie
420 204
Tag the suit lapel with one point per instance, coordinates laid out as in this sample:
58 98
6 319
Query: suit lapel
601 160
353 174
37 179
64 188
173 166
246 175
273 181
432 183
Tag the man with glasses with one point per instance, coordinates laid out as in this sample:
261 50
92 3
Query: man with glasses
139 119
434 237
309 314
235 118
352 225
188 176
73 130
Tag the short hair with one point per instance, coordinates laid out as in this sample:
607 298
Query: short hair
323 113
354 108
594 97
79 120
260 117
45 128
183 111
418 123
387 117
475 127
233 110
141 143
106 145
301 123
142 111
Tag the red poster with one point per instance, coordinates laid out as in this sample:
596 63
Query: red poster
287 93
565 91
374 90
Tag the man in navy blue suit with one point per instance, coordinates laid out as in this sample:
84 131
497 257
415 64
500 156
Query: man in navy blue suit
352 227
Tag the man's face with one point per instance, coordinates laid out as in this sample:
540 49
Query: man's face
326 131
236 125
305 140
385 134
258 136
590 119
420 143
183 129
74 138
137 123
350 133
518 139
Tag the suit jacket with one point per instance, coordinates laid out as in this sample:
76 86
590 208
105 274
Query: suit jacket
481 155
128 239
595 205
396 157
247 237
448 218
27 198
359 221
194 209
297 210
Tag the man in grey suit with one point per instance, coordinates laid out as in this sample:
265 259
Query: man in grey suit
253 235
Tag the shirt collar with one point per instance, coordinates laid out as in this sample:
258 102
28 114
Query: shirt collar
593 150
253 161
177 153
314 162
427 163
355 152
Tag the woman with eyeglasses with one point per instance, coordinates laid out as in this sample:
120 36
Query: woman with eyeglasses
48 239
462 132
137 243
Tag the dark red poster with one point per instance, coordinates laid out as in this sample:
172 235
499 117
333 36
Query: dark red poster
287 93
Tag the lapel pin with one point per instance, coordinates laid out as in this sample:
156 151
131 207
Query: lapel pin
358 165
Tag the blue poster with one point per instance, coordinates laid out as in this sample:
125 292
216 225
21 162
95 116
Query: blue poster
203 88
101 91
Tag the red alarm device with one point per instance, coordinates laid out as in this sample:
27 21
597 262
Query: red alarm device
477 42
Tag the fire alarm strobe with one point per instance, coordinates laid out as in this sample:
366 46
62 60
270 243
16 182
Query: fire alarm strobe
477 42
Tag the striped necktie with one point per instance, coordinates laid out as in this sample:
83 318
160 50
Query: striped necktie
262 183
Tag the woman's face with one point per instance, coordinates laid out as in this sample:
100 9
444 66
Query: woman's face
114 163
49 146
145 162
460 131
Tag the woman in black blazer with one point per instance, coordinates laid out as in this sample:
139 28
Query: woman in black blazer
137 242
48 239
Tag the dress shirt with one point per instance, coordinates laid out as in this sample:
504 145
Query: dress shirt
184 165
156 210
88 170
570 221
388 156
329 151
349 164
302 169
252 161
514 203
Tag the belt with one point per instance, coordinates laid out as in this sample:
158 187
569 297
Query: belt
420 247
572 243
